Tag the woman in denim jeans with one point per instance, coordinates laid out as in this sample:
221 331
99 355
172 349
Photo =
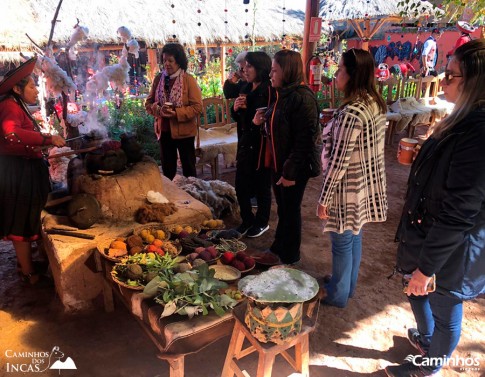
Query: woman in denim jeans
354 180
442 228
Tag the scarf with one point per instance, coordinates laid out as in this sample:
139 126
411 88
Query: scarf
175 95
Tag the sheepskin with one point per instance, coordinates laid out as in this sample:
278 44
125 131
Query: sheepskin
218 195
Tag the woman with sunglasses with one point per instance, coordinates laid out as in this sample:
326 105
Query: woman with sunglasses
354 181
442 228
175 101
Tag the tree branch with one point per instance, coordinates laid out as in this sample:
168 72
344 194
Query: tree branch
35 44
54 20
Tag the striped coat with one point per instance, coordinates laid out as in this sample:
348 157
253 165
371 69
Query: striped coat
354 180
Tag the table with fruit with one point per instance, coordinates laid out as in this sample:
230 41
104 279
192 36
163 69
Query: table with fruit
172 265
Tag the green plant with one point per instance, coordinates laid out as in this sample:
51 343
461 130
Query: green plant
210 80
131 117
190 293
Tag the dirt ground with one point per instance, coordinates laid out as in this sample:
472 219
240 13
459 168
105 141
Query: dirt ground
359 340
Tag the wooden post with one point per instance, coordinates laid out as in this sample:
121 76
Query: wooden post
153 63
308 48
223 63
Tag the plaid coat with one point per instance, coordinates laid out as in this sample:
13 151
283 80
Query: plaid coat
354 180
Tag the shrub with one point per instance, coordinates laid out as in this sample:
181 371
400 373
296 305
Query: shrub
132 117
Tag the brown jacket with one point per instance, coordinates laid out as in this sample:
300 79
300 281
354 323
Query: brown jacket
185 123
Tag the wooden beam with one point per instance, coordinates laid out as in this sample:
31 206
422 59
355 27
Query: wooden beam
312 7
223 63
358 29
153 63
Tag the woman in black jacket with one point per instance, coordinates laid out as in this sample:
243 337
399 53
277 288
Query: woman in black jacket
289 148
251 180
442 229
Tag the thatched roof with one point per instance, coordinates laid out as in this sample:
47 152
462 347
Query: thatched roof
336 10
150 21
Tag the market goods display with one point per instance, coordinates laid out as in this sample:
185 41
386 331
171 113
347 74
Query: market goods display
135 271
213 224
163 247
114 250
233 245
143 240
230 234
190 293
234 294
150 232
182 231
203 254
226 273
190 243
240 260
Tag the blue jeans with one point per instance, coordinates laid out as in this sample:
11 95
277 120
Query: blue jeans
438 318
346 255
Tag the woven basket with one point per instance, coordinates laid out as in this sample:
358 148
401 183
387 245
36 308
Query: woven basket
275 323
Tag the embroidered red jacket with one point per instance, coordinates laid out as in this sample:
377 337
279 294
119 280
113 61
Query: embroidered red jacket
17 133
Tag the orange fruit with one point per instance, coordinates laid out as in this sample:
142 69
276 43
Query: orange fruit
151 249
157 242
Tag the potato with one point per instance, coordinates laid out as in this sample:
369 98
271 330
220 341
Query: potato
135 250
134 240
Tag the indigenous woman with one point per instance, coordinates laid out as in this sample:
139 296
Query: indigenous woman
25 184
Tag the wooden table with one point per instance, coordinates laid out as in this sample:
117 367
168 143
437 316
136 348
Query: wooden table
174 336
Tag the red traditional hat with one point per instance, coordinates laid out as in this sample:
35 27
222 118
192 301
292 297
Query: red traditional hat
15 75
465 27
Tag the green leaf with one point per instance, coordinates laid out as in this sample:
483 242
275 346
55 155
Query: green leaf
203 270
151 288
219 311
225 300
204 310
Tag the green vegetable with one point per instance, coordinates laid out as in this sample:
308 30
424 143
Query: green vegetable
134 269
190 293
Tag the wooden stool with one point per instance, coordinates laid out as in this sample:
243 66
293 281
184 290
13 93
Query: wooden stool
268 351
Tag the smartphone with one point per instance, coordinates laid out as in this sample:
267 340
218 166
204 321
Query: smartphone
430 288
